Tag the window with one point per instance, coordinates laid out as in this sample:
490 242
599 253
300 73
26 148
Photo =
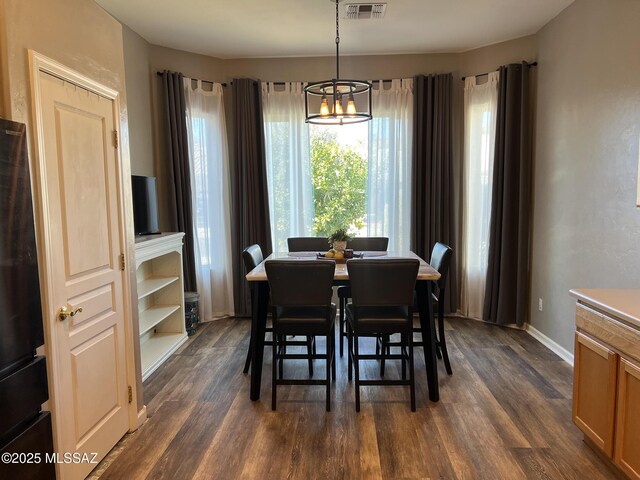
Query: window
481 103
358 176
339 170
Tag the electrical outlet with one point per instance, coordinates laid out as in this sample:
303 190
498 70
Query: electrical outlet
540 304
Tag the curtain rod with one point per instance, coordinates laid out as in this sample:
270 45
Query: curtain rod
159 74
534 64
206 81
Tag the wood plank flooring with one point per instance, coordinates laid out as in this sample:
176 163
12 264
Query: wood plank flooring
504 414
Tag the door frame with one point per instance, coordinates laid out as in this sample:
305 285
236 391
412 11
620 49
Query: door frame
39 63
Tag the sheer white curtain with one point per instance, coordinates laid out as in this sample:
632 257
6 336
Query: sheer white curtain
209 162
481 103
288 163
389 179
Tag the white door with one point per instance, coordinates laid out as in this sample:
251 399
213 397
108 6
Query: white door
82 220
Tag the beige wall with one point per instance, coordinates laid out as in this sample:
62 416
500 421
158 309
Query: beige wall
586 226
487 59
368 67
138 88
78 34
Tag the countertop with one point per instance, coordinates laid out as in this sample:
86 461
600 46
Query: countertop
621 303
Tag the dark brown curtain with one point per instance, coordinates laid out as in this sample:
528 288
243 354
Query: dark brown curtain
179 185
250 197
506 296
432 190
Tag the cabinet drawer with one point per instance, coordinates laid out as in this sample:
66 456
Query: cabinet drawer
22 393
627 444
594 391
614 333
35 439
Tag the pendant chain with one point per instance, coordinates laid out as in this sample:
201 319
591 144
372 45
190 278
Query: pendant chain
337 42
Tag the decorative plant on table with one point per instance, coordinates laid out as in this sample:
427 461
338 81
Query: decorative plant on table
339 239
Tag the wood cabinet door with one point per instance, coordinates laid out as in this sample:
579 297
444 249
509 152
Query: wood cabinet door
627 445
594 391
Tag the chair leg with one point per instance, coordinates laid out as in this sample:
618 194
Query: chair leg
342 307
283 351
350 348
274 370
384 350
333 352
328 382
310 352
412 378
356 364
443 343
403 341
247 362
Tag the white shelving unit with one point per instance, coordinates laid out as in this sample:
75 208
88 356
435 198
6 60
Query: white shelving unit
160 298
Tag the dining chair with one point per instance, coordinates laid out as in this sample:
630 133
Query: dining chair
308 244
252 257
382 304
301 293
440 261
367 244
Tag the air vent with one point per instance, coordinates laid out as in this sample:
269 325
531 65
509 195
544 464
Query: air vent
363 11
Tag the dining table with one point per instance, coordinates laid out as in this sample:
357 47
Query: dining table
259 284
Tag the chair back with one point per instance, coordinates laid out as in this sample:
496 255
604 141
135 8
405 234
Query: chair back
252 257
369 244
383 282
440 260
308 244
300 283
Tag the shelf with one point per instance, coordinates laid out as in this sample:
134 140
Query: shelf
155 350
152 316
160 299
153 284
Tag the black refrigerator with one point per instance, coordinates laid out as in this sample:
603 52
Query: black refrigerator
25 430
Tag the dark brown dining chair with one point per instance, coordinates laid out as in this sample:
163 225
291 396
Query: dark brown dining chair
440 260
301 305
308 244
252 257
382 305
358 244
368 244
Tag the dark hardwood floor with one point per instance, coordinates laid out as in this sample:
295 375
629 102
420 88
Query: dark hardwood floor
504 414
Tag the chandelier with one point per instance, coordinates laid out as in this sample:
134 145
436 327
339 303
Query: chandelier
326 99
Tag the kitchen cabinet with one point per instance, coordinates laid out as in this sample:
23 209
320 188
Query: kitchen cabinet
606 388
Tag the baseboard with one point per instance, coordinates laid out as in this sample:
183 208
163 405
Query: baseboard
562 352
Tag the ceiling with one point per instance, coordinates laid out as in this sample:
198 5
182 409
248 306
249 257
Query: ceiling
283 28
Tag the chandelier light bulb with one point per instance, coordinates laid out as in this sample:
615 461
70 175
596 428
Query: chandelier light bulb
324 106
351 106
339 110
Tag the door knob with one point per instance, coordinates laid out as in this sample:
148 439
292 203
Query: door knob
65 312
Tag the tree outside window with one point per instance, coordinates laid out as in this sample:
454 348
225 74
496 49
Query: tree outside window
339 169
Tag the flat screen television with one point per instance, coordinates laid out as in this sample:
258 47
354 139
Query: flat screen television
145 205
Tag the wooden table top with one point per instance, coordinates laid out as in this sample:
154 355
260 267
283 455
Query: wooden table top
426 272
